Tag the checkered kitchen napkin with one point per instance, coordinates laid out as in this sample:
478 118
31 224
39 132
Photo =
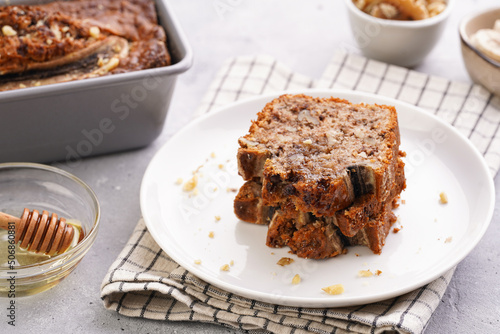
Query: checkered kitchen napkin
145 282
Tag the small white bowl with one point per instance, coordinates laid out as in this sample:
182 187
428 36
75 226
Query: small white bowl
403 43
482 70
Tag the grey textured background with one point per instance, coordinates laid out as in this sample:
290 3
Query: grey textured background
303 35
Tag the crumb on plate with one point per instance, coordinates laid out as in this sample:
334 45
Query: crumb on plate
365 273
443 198
336 289
284 261
191 184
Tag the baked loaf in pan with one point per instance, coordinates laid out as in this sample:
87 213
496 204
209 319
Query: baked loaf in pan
323 173
72 40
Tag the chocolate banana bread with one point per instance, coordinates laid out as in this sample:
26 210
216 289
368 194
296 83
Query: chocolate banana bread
322 172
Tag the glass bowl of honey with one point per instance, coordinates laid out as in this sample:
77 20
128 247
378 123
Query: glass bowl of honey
41 187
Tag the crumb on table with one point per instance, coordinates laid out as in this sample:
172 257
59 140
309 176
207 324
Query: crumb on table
296 279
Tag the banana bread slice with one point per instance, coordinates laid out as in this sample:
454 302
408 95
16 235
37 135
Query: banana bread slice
321 153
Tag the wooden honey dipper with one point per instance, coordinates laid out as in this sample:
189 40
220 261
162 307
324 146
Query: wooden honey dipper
39 233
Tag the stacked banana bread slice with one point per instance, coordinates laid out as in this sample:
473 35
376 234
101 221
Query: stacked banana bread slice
322 173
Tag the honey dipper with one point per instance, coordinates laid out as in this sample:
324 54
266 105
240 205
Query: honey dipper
39 233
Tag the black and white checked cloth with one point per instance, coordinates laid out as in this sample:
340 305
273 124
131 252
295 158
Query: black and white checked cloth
145 282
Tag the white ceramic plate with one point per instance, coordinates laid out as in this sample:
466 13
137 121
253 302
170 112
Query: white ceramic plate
433 239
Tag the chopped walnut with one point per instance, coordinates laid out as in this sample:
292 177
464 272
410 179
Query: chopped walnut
388 10
365 273
402 9
336 289
57 33
8 31
109 65
436 8
94 32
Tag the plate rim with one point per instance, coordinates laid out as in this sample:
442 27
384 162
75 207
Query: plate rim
311 301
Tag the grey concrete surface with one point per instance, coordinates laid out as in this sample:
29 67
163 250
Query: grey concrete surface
303 35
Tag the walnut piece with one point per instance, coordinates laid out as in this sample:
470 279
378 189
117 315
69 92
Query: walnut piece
8 31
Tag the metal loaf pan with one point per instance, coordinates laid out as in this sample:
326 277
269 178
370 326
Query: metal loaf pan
74 120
